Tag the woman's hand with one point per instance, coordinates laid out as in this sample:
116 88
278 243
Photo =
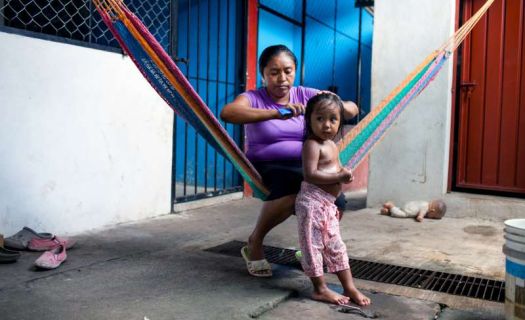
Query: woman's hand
325 92
296 109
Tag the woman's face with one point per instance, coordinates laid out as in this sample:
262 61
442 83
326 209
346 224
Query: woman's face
279 75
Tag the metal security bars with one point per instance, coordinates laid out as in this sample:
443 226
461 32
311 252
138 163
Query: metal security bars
78 20
333 39
210 54
204 37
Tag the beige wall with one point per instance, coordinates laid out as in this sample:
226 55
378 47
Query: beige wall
412 160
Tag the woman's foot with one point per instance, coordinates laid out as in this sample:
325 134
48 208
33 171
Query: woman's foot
330 296
256 249
257 268
357 297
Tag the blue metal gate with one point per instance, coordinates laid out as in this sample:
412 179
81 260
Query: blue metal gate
209 50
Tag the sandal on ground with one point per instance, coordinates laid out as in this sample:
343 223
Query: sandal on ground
257 268
53 258
8 256
20 240
38 244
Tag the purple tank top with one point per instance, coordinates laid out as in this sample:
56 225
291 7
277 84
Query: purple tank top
276 139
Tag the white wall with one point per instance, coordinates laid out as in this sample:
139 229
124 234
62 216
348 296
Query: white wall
412 160
84 140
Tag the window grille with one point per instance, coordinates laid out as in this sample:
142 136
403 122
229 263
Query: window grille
79 20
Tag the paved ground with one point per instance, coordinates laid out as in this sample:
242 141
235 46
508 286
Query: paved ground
158 269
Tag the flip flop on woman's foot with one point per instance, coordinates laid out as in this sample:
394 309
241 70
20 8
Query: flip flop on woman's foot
257 268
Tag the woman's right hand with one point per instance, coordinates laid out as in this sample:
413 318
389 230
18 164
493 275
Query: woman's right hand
296 109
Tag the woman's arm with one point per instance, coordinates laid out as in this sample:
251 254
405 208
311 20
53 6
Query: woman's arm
350 110
240 111
311 154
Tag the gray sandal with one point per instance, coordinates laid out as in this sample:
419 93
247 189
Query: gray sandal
20 240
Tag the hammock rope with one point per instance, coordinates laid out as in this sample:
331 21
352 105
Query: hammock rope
367 134
171 84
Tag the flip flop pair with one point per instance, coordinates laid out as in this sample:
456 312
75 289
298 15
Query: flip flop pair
257 268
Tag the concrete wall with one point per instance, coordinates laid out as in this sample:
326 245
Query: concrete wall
84 140
412 160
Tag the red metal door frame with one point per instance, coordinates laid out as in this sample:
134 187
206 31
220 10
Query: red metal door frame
451 164
455 135
252 27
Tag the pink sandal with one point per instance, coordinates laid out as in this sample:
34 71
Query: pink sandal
52 259
49 244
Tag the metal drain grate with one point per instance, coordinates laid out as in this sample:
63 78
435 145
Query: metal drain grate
456 284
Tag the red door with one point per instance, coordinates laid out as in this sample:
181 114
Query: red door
491 102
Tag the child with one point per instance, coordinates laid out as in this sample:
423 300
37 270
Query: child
319 235
434 209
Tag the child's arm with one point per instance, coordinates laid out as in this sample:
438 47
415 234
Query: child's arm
311 154
420 215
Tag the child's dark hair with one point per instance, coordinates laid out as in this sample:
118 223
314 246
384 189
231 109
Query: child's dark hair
317 101
272 51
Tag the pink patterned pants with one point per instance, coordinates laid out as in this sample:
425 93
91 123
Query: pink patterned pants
319 235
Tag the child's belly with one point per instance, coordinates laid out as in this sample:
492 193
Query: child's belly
333 189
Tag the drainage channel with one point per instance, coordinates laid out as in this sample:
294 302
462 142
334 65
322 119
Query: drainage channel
456 284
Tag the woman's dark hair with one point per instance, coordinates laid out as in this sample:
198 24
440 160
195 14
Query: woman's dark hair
318 101
271 52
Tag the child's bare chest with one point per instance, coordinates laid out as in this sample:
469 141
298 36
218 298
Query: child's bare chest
328 160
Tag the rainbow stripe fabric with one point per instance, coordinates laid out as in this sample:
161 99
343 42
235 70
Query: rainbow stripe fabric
356 145
166 78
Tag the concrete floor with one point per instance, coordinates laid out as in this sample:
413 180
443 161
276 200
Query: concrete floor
159 269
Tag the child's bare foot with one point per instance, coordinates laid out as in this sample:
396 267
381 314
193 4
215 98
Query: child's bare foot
330 296
385 211
357 297
419 219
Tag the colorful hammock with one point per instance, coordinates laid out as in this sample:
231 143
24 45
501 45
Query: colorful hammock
368 132
166 78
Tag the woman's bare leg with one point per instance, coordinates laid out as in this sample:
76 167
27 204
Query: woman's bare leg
272 213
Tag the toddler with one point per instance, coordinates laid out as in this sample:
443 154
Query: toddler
319 235
434 209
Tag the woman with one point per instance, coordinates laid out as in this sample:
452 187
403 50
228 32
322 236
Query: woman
274 143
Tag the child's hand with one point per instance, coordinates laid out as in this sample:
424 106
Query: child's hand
345 175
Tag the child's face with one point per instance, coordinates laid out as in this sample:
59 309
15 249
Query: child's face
325 121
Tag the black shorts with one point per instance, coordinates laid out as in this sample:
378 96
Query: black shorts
284 178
